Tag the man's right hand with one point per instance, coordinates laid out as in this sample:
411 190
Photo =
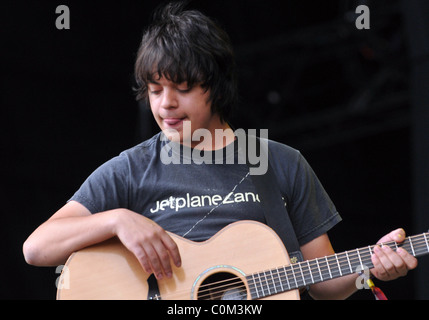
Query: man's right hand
151 244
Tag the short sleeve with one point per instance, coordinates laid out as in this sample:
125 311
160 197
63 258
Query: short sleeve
106 188
312 211
310 208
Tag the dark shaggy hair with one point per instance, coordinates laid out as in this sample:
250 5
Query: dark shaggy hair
188 46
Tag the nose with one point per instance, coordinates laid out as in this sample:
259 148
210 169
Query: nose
169 98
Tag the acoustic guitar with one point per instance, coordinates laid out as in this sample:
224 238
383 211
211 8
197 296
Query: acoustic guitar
245 260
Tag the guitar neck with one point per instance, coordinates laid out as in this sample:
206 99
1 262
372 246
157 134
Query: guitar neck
308 272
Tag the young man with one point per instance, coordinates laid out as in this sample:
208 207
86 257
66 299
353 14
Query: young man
185 68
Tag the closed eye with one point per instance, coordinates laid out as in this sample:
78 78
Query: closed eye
184 90
154 89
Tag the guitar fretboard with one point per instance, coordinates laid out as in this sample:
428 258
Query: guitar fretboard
308 272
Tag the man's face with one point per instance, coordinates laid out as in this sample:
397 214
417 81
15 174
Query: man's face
172 104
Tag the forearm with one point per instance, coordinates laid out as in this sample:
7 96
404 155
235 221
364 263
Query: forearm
73 227
53 242
339 288
335 289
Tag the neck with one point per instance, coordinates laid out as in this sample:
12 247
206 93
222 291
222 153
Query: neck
214 138
308 272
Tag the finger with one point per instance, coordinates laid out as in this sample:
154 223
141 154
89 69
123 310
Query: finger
163 260
410 261
398 235
388 264
154 260
143 259
379 271
393 263
173 250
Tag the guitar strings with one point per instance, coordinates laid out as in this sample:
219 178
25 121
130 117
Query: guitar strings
358 258
220 288
304 274
217 289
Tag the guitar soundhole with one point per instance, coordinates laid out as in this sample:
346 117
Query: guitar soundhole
222 286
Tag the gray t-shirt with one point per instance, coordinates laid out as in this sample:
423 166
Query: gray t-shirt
197 200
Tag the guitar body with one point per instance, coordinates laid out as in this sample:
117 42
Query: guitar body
109 271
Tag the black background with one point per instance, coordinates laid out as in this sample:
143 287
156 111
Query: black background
338 94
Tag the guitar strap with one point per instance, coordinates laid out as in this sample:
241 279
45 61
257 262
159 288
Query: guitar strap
273 205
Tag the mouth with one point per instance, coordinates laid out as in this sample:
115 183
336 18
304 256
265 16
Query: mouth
173 122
